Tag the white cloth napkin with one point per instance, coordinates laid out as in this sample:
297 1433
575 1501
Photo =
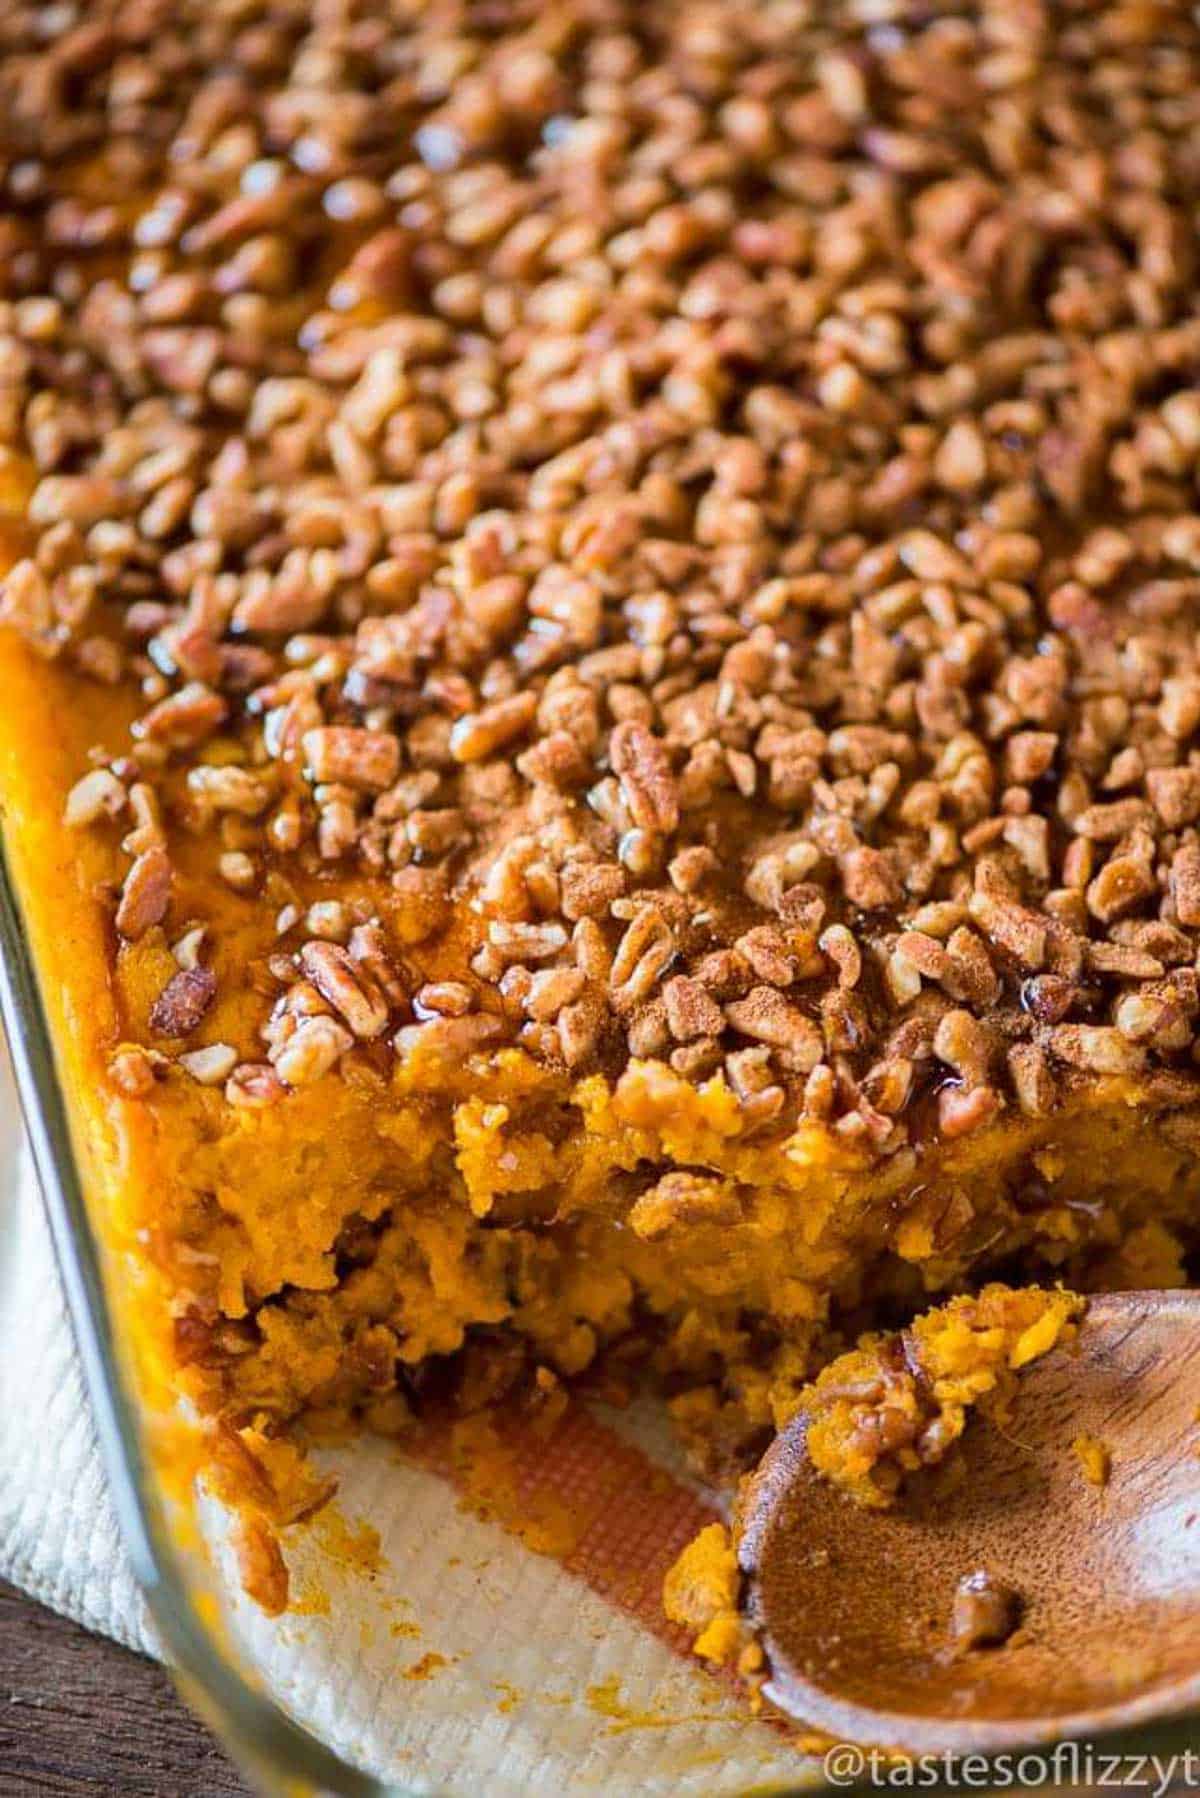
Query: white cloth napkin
58 1535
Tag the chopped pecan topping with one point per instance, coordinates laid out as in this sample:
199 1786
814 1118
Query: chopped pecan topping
351 757
647 782
870 880
96 795
185 718
183 1001
1096 1048
691 1013
766 1016
132 1071
254 1085
1185 884
210 1066
481 734
757 600
346 986
145 894
310 1050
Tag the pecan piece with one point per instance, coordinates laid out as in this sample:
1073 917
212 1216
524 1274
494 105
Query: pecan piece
346 986
253 1085
145 894
184 718
641 763
766 1016
480 734
98 795
1185 884
315 1046
643 956
183 1001
132 1071
344 755
211 1065
691 1013
869 879
1097 1048
1175 795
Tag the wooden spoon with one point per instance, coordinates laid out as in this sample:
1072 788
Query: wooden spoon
853 1607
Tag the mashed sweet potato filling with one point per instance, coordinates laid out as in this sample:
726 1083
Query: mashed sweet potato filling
320 1248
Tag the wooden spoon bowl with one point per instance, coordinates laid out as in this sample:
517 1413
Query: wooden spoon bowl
852 1606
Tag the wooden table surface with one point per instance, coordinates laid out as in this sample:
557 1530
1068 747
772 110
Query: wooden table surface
82 1718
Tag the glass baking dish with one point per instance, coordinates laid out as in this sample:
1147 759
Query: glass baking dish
274 1748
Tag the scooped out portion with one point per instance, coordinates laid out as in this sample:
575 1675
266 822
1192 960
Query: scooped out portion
900 1402
895 1404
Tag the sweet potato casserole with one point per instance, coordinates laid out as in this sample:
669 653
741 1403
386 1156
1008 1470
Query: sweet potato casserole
601 712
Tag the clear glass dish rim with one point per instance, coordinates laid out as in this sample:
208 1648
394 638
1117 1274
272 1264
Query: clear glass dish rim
270 1746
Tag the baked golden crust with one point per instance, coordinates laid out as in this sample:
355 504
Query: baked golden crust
616 593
